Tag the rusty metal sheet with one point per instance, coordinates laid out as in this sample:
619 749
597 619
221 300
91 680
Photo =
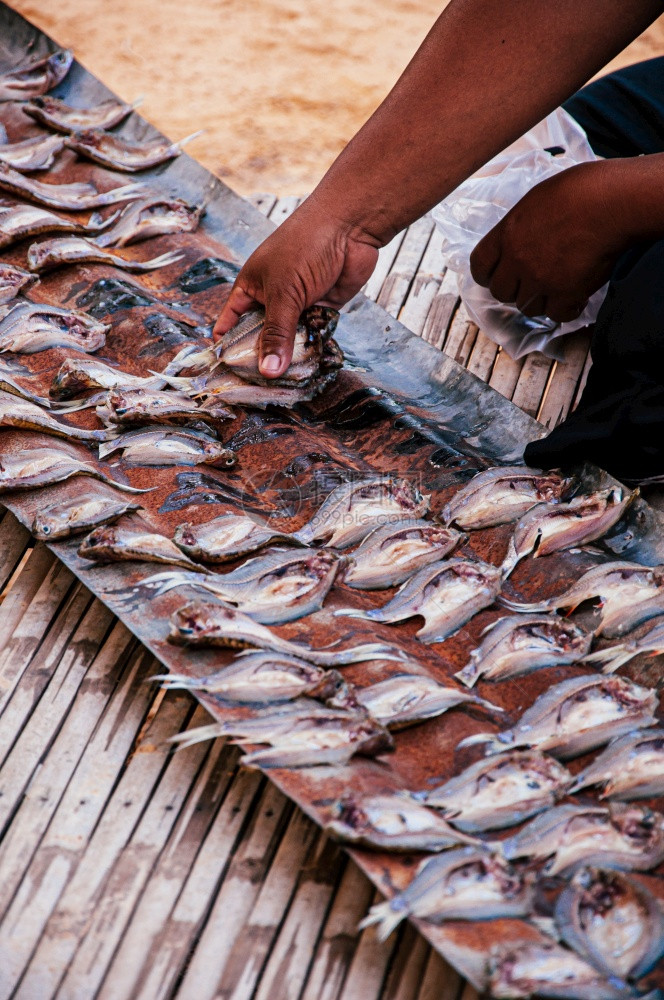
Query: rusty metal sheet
399 406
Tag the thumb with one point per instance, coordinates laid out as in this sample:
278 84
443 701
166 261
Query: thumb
278 335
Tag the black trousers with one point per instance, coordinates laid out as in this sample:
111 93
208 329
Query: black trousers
619 422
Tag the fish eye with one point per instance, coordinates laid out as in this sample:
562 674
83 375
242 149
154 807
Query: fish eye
46 530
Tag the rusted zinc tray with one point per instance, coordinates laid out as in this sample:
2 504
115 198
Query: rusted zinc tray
399 406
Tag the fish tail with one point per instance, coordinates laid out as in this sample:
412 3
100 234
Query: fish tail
137 103
506 602
302 757
385 916
367 651
468 675
477 738
612 658
189 138
163 260
199 735
173 682
120 486
357 613
487 704
511 560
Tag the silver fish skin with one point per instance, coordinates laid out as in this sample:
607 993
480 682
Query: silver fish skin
150 217
111 150
201 623
18 222
630 594
72 517
13 280
169 446
75 197
315 742
227 537
518 645
141 406
446 594
500 495
78 376
36 153
114 543
614 657
389 555
55 114
549 528
631 767
232 389
63 250
23 415
612 921
391 822
629 838
261 678
32 327
501 791
468 883
45 466
576 716
35 76
405 699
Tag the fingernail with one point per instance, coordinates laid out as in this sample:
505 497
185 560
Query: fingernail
271 364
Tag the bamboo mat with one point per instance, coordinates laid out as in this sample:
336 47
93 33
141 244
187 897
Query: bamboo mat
130 872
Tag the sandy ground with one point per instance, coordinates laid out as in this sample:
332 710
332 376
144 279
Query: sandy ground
279 85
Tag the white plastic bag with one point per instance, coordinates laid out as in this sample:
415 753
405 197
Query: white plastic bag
478 204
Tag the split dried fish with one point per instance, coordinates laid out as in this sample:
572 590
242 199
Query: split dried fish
78 376
32 327
119 153
23 415
616 656
311 743
13 280
141 406
390 822
447 595
551 528
227 537
75 197
404 699
18 222
114 543
44 466
464 884
71 517
611 920
501 791
630 838
168 446
500 495
234 390
630 595
389 555
55 114
514 646
201 623
35 76
37 153
65 250
149 217
631 767
267 724
577 715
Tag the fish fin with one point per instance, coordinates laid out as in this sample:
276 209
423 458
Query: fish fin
181 143
163 260
122 486
137 103
198 735
171 682
506 602
490 738
387 919
487 704
468 675
511 560
352 613
611 659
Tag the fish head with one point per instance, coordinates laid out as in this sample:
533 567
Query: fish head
59 64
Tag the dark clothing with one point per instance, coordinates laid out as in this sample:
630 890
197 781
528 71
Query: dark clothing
619 422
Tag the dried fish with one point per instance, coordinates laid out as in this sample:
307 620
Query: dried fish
120 154
21 414
353 509
227 537
201 623
614 657
13 280
55 114
64 250
514 646
389 555
447 595
501 791
404 699
141 406
168 446
577 715
469 883
36 153
390 822
35 76
78 376
630 838
75 197
267 724
501 495
32 327
631 767
550 528
44 466
234 390
312 742
115 543
18 222
152 216
71 517
630 594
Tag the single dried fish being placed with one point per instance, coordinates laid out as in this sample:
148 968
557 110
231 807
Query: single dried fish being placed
63 250
500 495
18 222
141 406
501 791
446 594
631 767
72 517
23 415
115 543
517 645
13 279
76 197
630 838
469 883
405 699
389 555
32 327
35 76
55 114
44 466
121 154
228 537
149 217
390 822
37 153
550 528
611 920
577 715
168 446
